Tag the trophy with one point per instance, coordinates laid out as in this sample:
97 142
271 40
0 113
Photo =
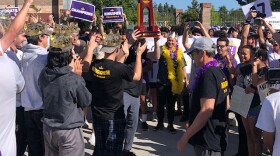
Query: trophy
146 19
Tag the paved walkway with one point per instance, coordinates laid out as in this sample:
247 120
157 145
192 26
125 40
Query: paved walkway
162 143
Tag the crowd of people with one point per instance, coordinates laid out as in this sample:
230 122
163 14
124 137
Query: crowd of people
51 74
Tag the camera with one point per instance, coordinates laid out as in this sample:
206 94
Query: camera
259 15
272 75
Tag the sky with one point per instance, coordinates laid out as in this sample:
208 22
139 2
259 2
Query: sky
182 4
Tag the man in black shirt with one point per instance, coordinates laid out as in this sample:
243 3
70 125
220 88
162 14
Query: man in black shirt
210 101
107 92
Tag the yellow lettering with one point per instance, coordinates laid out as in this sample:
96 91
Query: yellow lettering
100 72
224 84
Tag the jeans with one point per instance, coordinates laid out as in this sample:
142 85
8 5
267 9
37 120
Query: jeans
34 129
165 96
109 136
131 110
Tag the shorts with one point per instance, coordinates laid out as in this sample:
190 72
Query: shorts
144 89
254 112
153 84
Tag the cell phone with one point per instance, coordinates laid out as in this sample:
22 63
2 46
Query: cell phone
191 24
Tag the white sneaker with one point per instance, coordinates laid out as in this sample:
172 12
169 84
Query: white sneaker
92 139
154 119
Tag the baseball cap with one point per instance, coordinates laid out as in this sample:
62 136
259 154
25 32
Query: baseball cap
202 43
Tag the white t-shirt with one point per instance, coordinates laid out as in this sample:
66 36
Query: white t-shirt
269 119
11 83
273 59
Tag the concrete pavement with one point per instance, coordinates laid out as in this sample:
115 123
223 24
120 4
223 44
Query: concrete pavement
163 143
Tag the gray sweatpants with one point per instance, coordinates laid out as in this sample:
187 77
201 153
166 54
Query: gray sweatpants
63 142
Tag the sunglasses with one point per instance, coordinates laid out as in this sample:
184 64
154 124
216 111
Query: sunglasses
221 46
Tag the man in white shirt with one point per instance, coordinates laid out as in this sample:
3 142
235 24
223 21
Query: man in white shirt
11 83
274 55
268 122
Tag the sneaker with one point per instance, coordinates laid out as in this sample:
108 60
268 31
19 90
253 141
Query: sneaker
159 127
92 139
128 153
171 129
154 117
144 126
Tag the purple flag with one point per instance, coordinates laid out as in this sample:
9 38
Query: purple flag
12 10
112 14
82 10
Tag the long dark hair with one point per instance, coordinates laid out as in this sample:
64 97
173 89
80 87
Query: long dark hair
59 58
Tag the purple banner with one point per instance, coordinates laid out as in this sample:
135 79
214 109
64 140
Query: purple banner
112 14
82 10
12 10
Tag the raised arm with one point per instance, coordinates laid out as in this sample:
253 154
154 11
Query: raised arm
276 35
138 63
260 32
202 28
92 44
101 27
185 39
157 49
15 27
126 21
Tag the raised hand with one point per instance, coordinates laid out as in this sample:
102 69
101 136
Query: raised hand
141 48
78 67
94 41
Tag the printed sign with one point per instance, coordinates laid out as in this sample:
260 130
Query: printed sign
12 10
82 10
274 20
264 89
262 6
112 14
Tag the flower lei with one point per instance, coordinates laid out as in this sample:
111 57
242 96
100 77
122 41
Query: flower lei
198 74
176 78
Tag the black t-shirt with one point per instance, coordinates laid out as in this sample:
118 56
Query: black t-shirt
132 88
107 90
212 84
246 72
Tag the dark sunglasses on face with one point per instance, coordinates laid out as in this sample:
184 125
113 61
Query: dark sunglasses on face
221 46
